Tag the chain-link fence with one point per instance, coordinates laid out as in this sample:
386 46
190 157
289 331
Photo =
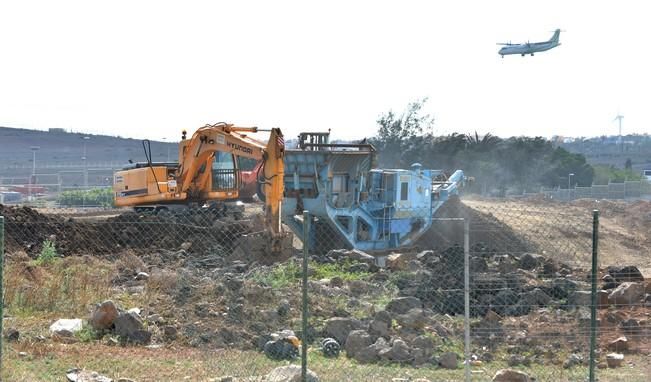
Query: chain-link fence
457 293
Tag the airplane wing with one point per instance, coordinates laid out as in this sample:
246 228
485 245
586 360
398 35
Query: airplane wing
505 43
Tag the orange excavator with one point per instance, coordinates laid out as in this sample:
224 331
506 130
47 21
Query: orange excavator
199 178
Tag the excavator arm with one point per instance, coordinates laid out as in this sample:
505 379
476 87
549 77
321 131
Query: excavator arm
199 150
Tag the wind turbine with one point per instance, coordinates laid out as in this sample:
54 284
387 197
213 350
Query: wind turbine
619 118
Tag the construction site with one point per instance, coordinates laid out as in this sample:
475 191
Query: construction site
320 265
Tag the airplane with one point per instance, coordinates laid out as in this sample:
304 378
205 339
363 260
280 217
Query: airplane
530 48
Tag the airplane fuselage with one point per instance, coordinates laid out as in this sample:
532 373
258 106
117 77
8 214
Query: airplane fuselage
528 48
531 48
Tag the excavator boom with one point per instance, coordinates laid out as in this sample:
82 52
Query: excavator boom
194 180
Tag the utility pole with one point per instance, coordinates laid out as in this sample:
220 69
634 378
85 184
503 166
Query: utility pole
32 178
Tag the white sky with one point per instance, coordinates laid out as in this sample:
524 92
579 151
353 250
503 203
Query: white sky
149 69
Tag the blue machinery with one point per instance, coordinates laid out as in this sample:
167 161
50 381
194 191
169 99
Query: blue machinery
354 205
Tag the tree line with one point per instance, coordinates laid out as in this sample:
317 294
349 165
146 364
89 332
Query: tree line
499 165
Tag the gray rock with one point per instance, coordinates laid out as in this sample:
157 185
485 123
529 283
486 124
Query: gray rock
448 360
423 342
580 298
141 337
142 276
504 299
127 324
398 352
170 332
383 316
371 353
379 328
290 373
76 375
573 360
104 315
155 319
359 268
12 335
631 326
614 360
627 273
358 340
402 305
359 287
414 319
283 308
64 327
535 298
618 344
510 375
627 293
517 360
478 264
562 287
339 327
530 261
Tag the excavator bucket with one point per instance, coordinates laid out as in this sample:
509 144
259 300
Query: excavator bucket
263 246
270 243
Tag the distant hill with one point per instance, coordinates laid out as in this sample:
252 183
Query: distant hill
60 147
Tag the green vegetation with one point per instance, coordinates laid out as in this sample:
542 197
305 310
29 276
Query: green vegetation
48 253
283 275
611 174
497 164
101 197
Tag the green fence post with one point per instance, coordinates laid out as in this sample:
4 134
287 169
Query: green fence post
593 312
2 291
306 245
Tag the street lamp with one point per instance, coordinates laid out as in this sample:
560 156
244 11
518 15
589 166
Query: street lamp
32 179
168 149
84 158
83 194
569 177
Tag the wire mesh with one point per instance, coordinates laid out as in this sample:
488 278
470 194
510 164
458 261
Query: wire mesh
385 291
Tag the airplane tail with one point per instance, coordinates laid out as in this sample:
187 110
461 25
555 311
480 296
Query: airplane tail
556 35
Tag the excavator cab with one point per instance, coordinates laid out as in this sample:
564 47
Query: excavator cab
225 174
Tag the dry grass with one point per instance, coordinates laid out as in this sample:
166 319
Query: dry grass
64 286
48 362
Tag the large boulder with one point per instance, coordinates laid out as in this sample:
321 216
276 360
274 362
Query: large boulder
339 327
449 360
628 273
422 350
129 326
530 261
503 300
614 359
399 261
510 375
379 328
580 298
371 353
627 293
414 319
290 373
402 305
398 352
103 316
535 297
357 341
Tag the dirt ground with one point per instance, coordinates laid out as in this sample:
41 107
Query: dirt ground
216 304
624 227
